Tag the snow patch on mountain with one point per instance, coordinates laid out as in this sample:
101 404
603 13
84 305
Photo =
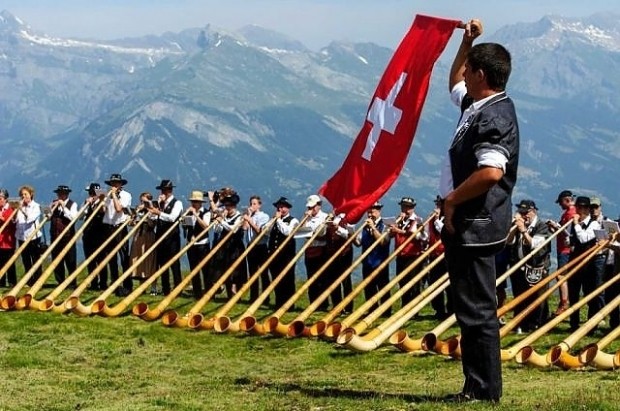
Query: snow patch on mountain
69 43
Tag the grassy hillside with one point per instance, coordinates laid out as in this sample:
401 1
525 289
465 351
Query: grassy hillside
63 362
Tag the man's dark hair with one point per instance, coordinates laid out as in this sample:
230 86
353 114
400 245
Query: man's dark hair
255 197
494 60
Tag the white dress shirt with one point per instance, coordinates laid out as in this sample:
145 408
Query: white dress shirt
26 221
111 216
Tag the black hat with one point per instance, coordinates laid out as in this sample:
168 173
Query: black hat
93 187
526 205
62 189
582 201
4 193
233 198
116 178
407 201
282 201
377 205
165 184
565 193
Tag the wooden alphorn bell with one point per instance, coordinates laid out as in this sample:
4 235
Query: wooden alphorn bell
172 318
73 303
197 320
25 300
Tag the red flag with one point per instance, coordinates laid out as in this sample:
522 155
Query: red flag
381 147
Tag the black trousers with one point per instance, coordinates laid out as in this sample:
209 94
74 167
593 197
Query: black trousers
402 262
256 258
195 255
11 273
442 304
335 269
379 282
313 264
91 242
30 255
610 293
286 287
588 278
122 254
165 252
69 261
472 279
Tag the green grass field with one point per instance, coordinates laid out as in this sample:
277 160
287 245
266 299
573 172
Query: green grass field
64 362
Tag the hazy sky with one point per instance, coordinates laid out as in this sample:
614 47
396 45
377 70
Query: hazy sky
314 22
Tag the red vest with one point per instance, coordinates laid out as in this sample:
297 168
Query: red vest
415 247
7 236
433 237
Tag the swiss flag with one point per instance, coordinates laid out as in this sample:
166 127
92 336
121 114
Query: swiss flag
381 147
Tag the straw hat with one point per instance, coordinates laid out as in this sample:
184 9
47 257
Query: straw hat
197 196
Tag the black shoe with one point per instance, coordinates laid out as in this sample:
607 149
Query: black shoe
461 397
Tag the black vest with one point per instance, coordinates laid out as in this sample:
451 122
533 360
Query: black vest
276 238
96 224
193 230
58 221
163 226
578 247
486 219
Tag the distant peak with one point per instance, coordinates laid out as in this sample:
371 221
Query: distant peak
262 37
8 19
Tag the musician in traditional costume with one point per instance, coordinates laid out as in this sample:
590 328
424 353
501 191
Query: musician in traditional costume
168 211
117 211
7 239
64 212
94 234
283 227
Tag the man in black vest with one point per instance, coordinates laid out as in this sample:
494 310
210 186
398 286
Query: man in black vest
168 213
529 234
197 220
284 225
66 211
476 185
590 276
94 234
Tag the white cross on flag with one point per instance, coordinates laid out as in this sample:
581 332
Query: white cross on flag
382 145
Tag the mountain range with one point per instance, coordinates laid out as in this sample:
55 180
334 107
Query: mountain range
257 110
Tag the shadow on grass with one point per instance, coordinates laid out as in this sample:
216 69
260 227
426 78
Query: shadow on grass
331 392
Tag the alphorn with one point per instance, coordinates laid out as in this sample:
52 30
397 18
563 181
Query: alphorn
9 299
25 300
249 323
332 330
524 353
297 327
21 248
381 333
99 301
73 303
431 341
197 320
560 355
223 322
367 321
593 355
100 307
49 302
172 318
573 266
